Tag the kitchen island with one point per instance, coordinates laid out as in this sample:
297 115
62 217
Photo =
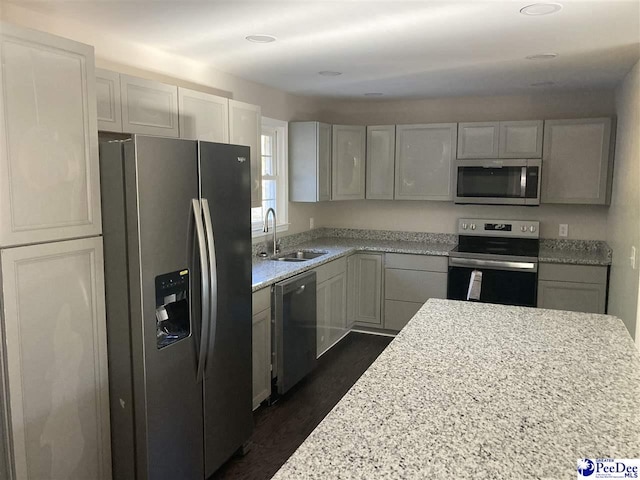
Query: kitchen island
470 390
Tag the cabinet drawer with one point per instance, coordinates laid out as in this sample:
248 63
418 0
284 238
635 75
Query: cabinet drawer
331 269
261 300
573 273
397 314
417 262
414 285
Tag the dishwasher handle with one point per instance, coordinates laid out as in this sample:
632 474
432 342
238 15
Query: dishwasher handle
297 284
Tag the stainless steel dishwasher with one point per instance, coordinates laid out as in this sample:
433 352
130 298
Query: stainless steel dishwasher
293 339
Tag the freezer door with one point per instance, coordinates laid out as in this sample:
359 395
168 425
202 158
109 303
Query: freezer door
161 184
225 184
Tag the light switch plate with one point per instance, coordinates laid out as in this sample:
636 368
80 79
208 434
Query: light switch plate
312 223
632 258
564 230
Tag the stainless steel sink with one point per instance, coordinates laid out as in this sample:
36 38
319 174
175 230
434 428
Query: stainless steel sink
299 256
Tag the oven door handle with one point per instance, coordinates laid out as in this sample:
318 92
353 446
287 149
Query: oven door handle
494 264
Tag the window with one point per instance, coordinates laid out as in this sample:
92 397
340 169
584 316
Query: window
273 142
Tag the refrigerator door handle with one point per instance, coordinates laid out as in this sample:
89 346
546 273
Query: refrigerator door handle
213 271
205 286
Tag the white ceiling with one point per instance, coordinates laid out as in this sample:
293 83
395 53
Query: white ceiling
399 48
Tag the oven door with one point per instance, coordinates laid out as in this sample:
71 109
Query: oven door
498 182
503 282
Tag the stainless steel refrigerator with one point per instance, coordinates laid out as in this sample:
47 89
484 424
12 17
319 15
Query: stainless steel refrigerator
177 241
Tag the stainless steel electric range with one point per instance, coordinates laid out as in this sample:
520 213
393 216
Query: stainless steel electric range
496 261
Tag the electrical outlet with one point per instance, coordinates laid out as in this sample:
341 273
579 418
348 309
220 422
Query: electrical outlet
564 230
632 258
312 223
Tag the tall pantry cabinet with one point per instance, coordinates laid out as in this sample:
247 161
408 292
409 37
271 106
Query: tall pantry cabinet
55 410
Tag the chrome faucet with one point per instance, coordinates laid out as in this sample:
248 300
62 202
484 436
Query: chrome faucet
265 228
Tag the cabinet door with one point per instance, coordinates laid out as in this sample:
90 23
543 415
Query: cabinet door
397 314
367 295
56 353
203 116
576 166
261 356
347 162
49 173
324 162
323 314
148 107
424 161
381 153
245 129
338 302
572 296
478 140
521 139
108 100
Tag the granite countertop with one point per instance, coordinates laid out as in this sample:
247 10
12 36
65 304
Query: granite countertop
472 390
575 252
267 272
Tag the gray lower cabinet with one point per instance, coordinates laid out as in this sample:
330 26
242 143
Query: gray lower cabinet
364 296
409 281
331 300
577 288
577 161
261 345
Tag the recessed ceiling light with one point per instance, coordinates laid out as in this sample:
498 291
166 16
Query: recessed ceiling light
373 94
537 9
329 73
261 38
543 84
542 56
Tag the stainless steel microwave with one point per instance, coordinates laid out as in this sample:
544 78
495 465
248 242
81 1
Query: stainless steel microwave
498 182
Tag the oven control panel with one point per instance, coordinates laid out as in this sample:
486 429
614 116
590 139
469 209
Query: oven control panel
499 228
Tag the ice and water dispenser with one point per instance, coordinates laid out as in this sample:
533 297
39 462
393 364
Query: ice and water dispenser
172 308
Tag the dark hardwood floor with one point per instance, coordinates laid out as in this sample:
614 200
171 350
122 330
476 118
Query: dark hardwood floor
282 427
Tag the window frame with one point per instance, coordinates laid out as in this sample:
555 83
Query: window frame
281 128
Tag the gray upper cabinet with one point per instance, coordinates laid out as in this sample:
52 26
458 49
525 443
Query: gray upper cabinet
381 152
348 162
245 128
149 107
424 161
521 139
203 116
49 172
108 100
309 162
512 139
478 140
577 161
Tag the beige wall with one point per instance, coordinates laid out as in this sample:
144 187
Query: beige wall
134 59
585 222
441 217
623 221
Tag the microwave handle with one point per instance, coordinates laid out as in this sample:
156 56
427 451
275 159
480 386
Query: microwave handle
523 182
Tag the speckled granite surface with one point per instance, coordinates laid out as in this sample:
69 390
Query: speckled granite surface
578 252
470 390
267 272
